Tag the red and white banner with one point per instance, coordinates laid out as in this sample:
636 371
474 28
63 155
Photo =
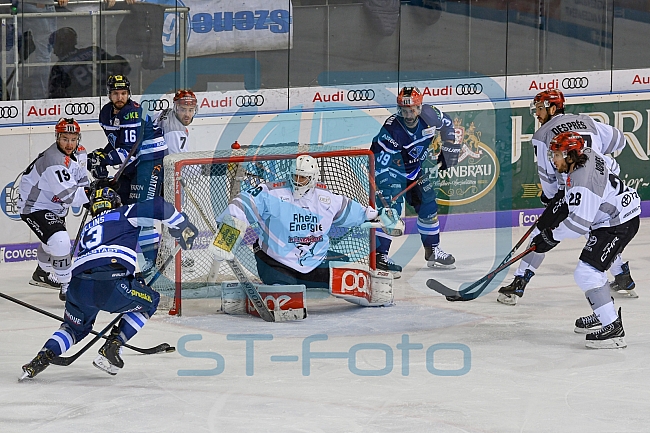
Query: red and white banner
632 80
571 84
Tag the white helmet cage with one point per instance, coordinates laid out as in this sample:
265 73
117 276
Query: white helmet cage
308 167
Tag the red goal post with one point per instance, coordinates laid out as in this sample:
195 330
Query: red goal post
214 178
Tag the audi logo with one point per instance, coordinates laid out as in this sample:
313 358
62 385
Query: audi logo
469 89
575 83
78 108
361 95
155 104
249 100
8 112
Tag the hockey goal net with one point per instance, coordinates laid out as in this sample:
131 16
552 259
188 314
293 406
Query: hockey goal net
214 178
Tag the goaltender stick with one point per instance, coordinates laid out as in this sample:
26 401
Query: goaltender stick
295 218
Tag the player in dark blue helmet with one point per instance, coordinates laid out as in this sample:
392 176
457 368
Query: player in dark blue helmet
102 277
125 126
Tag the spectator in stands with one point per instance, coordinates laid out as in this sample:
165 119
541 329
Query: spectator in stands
73 76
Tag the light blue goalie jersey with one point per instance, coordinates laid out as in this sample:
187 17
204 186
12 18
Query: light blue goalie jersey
295 232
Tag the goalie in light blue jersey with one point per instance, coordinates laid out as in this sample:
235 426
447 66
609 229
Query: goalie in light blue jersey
295 218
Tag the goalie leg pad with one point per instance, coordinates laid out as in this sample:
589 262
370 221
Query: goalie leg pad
286 302
358 284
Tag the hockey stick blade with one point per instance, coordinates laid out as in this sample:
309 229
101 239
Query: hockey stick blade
464 294
161 348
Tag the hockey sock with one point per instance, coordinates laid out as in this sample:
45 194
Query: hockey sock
383 242
617 266
429 231
60 341
130 324
602 304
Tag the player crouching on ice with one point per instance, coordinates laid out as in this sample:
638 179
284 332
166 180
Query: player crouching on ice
600 204
294 219
102 278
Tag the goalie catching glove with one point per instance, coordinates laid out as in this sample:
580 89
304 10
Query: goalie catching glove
185 236
384 218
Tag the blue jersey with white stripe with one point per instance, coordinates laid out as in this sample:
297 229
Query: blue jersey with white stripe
111 237
401 150
127 128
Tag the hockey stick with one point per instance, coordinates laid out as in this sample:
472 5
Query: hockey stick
251 292
112 182
164 347
65 361
464 295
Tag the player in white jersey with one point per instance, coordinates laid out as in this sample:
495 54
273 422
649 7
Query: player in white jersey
51 184
295 218
602 207
174 121
548 107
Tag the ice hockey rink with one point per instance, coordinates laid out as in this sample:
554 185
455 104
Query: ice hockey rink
423 365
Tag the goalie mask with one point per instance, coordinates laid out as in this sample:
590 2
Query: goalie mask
304 176
103 200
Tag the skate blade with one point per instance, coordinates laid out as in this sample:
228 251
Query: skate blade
396 275
507 300
102 363
585 330
610 343
436 265
627 294
24 376
44 285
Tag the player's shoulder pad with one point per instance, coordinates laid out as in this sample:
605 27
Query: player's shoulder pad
391 120
80 149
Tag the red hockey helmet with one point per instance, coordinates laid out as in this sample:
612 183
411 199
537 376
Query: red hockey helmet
185 97
548 97
68 125
566 142
409 97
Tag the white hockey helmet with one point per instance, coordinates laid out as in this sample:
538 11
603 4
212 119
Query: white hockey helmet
304 176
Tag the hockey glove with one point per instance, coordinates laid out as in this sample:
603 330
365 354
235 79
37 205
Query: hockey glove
186 236
544 241
391 222
449 153
556 212
97 164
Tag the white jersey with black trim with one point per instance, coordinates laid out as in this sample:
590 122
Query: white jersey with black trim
54 181
603 138
295 232
596 198
176 134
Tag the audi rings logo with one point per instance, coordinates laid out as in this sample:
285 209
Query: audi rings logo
79 108
469 89
155 104
575 83
361 95
8 112
249 100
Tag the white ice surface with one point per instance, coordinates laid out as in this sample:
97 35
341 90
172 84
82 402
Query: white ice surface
529 371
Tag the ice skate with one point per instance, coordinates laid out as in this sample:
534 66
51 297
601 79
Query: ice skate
623 283
109 359
437 258
38 364
385 263
587 324
63 292
508 294
611 336
43 279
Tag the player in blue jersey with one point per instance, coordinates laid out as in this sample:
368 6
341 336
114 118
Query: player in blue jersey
126 126
400 148
102 277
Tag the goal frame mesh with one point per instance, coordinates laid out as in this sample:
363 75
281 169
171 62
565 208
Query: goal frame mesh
172 287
